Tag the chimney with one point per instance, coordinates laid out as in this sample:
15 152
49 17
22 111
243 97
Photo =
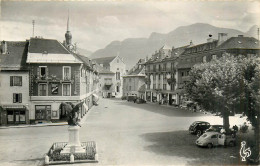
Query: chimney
191 43
146 58
210 39
222 37
3 47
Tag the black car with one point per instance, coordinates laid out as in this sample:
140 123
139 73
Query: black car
215 128
198 127
140 101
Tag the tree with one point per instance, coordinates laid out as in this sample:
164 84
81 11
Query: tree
226 85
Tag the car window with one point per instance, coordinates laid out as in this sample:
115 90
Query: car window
214 136
204 135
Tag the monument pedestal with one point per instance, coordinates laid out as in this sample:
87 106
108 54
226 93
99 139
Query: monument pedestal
74 145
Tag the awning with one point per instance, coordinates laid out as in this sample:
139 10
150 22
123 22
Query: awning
14 107
95 97
85 106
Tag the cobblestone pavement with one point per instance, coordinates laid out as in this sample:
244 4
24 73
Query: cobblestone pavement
126 133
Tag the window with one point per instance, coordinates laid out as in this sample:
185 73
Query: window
43 72
159 77
164 66
15 80
172 66
41 111
42 89
117 75
17 97
164 86
187 73
204 59
153 86
67 72
214 136
154 67
214 56
182 74
66 89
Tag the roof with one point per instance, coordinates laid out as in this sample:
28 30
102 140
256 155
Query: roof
15 58
136 70
51 46
106 72
176 52
240 42
84 59
142 88
104 60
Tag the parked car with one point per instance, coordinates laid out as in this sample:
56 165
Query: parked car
198 127
214 128
131 98
211 139
140 101
123 97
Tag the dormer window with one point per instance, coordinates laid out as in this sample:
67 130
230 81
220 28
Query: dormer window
204 59
214 57
45 53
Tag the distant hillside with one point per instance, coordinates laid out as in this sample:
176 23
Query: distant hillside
132 49
84 52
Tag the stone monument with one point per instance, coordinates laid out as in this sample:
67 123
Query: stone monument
74 145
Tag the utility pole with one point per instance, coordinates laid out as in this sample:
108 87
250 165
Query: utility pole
33 22
258 34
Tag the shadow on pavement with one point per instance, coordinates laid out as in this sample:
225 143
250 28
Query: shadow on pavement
160 109
182 144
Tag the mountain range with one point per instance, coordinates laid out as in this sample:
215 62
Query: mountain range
132 49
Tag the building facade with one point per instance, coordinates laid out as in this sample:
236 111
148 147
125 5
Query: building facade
161 75
113 68
134 80
14 83
166 74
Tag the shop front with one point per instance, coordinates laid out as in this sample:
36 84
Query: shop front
14 114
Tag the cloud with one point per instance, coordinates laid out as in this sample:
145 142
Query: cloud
95 24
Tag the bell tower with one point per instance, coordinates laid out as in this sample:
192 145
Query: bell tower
68 35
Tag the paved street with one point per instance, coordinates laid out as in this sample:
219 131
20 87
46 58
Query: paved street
126 134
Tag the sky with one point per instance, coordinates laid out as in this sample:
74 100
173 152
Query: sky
95 24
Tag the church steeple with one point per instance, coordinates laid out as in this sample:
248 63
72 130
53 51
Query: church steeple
68 35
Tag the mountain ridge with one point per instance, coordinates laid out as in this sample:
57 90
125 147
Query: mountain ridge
132 49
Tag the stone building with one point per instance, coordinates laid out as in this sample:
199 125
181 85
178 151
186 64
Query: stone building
111 82
161 75
14 83
134 80
212 49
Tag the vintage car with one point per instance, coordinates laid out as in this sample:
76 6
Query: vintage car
140 101
198 127
131 98
215 128
211 139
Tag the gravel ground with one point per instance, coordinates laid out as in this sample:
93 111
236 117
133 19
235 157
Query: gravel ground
126 134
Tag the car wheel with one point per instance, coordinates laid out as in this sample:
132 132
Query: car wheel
198 133
210 145
231 143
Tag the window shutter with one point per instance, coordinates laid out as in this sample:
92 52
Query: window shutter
20 98
47 72
21 81
14 98
38 72
11 80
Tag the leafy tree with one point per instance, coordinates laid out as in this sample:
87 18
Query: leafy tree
225 85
